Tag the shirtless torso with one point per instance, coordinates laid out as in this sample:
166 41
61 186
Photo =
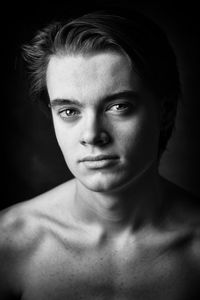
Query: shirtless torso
47 254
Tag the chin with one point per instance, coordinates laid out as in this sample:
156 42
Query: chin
114 181
105 184
99 183
108 181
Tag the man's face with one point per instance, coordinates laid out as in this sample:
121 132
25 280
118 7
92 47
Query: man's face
100 107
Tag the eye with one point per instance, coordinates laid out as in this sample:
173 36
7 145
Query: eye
120 108
68 113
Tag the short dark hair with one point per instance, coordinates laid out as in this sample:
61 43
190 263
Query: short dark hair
132 33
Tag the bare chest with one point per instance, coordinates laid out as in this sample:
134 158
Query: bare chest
134 273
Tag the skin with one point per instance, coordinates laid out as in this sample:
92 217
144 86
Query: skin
117 230
135 126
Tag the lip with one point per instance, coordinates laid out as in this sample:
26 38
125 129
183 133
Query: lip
99 161
98 158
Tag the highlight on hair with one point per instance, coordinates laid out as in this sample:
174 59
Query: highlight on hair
133 34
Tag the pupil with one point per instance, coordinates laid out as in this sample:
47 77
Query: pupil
68 111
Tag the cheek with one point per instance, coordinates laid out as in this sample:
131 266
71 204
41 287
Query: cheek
64 138
138 135
67 147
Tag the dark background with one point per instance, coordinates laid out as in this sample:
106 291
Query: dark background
31 160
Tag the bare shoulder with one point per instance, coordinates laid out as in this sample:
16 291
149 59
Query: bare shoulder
21 224
183 213
18 236
23 228
183 206
17 228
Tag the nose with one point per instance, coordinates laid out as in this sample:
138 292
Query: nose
93 132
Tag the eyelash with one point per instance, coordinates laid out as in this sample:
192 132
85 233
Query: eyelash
64 111
76 115
118 104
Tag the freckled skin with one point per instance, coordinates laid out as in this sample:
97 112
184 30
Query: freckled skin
118 232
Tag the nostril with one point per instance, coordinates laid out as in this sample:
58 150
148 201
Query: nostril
104 138
101 138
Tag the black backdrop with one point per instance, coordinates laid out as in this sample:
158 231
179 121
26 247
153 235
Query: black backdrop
31 160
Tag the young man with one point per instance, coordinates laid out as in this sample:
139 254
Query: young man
118 230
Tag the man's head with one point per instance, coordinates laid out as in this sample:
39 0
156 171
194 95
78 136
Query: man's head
132 38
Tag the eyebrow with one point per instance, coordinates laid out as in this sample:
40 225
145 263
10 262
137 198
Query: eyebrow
123 94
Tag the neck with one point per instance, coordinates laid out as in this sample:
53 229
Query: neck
130 207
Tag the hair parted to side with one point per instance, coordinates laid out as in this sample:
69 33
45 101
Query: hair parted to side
131 33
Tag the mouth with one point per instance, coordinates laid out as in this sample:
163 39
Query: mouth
98 158
99 161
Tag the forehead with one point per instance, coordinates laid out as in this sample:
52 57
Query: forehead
80 76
